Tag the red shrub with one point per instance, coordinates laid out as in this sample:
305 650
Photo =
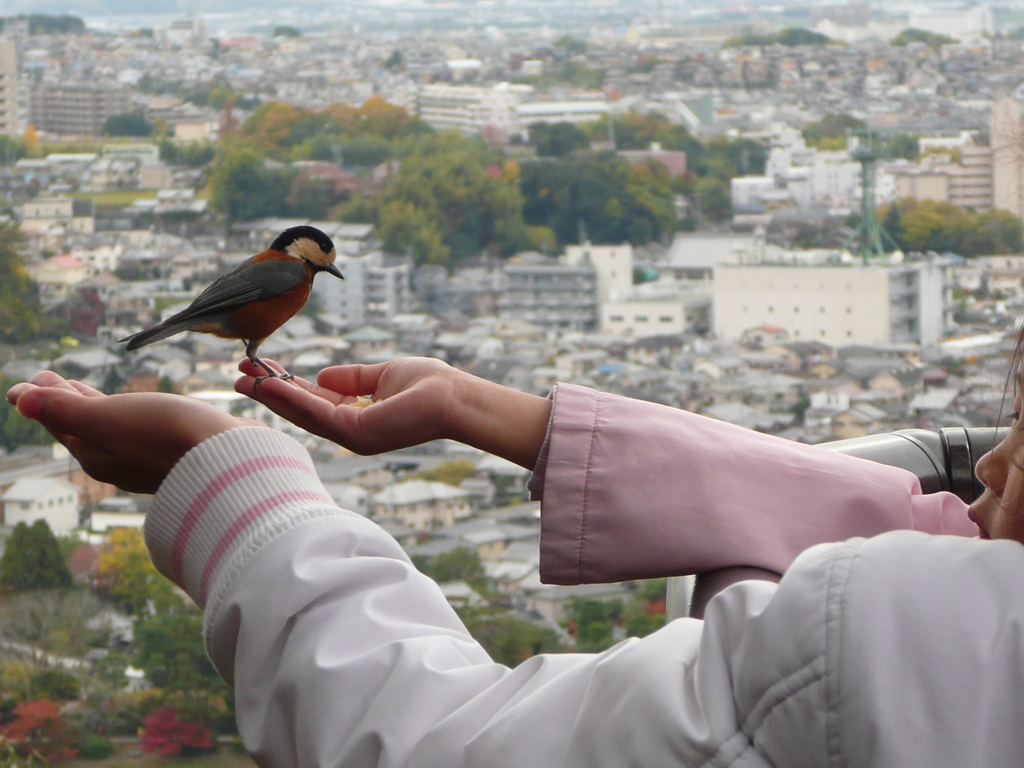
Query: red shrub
38 727
163 732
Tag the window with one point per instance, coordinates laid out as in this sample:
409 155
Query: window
616 318
665 319
796 310
849 333
771 309
823 310
849 310
641 318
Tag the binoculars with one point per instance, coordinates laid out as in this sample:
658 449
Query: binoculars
943 461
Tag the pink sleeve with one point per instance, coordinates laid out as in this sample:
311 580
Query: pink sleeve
633 489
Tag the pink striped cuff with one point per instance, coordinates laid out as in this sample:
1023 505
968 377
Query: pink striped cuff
224 499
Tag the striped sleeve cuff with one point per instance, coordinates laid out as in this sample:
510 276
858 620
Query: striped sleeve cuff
225 499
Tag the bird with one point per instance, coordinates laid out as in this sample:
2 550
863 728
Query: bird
255 298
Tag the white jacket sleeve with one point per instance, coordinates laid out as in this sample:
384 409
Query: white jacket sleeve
342 654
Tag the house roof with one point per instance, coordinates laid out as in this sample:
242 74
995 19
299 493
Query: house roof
31 488
369 333
934 399
415 491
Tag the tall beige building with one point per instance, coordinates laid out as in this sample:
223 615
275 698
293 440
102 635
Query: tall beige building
967 183
10 73
1008 157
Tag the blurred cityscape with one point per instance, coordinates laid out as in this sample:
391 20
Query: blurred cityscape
801 219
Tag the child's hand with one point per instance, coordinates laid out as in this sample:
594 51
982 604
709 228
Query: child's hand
415 400
412 400
130 440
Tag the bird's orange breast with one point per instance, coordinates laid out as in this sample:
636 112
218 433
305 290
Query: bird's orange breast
259 319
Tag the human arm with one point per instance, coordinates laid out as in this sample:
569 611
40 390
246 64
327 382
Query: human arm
341 653
629 489
415 400
632 489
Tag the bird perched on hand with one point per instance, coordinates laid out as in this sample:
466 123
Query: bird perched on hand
256 298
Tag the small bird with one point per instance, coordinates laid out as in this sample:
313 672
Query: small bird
257 297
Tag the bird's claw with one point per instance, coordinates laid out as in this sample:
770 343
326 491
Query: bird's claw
272 375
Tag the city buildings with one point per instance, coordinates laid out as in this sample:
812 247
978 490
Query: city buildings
77 108
552 295
837 303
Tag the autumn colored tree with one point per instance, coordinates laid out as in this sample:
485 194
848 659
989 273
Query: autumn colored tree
38 727
166 735
127 574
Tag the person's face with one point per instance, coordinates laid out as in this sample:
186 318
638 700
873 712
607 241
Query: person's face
999 512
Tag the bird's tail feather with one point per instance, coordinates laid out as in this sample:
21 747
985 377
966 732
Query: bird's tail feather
156 333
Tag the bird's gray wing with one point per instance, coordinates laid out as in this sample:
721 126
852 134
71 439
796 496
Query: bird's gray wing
251 281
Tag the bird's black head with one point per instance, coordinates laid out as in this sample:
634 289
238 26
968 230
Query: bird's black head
292 237
309 244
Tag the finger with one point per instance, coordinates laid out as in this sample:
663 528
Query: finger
17 391
51 379
85 389
67 412
306 410
352 379
246 385
247 367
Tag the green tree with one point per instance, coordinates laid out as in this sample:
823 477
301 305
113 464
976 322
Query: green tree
450 199
507 639
242 187
21 318
555 140
15 429
930 225
55 683
801 36
832 127
593 621
46 24
932 39
127 124
285 30
614 200
171 652
32 560
462 564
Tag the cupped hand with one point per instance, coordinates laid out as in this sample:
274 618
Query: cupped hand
413 401
130 440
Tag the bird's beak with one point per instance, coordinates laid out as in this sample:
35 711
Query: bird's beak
333 269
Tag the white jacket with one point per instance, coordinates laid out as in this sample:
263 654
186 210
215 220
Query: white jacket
901 650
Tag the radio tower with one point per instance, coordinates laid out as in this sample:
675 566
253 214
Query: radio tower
870 240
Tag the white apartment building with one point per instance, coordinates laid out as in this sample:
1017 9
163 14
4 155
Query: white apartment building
470 108
796 174
375 289
837 304
614 265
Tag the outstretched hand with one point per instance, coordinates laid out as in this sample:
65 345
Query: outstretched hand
414 400
411 402
130 440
